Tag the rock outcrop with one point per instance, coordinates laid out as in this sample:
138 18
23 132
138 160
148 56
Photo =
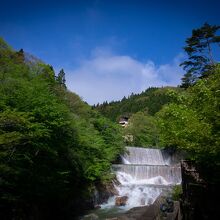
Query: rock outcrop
121 200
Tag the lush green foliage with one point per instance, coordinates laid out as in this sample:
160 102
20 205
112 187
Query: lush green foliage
149 101
142 129
192 122
200 56
53 146
177 192
140 109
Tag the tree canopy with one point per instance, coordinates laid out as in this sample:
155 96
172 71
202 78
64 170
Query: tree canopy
53 147
200 54
191 122
149 101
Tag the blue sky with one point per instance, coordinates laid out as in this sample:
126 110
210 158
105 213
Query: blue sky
108 48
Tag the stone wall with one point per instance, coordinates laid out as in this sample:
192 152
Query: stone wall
200 194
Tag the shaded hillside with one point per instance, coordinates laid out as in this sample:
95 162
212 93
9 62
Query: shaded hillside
150 101
54 148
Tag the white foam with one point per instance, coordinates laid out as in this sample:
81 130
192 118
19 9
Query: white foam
142 177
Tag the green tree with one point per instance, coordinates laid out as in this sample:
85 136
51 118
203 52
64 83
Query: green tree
191 123
53 147
150 101
200 55
61 78
142 130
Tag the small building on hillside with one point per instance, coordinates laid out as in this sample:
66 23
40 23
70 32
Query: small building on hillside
123 121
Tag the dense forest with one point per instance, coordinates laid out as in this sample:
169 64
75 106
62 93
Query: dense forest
141 110
150 101
191 115
53 147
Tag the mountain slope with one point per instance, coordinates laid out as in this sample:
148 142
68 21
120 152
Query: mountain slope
53 147
150 101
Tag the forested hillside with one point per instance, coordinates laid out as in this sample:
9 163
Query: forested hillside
150 101
186 117
140 109
53 147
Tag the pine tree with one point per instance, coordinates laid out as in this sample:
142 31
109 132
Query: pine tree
200 55
61 78
187 80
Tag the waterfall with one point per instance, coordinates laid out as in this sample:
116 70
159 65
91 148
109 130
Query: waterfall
138 155
143 175
171 174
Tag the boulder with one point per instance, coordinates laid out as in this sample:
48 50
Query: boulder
104 191
121 200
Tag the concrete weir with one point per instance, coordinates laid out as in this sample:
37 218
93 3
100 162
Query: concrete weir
144 178
144 174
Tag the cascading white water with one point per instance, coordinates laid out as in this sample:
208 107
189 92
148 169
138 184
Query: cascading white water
138 155
143 176
171 174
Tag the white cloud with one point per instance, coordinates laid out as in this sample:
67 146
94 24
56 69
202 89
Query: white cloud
106 76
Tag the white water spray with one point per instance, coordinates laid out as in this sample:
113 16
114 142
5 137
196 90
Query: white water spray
143 176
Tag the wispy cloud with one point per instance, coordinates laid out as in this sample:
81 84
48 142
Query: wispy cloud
107 76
